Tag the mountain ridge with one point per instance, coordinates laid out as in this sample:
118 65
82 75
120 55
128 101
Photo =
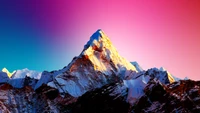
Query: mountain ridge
101 76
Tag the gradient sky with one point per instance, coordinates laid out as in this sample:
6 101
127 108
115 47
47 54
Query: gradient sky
47 34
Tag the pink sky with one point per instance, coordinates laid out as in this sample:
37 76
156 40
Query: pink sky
154 33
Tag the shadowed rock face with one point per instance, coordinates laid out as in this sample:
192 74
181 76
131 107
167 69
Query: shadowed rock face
181 97
108 99
25 99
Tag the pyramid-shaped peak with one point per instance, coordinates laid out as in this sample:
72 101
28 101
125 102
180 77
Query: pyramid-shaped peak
100 49
170 77
97 35
98 39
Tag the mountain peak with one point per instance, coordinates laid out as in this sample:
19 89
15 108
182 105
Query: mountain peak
98 35
7 72
26 72
98 41
99 49
170 77
162 69
98 64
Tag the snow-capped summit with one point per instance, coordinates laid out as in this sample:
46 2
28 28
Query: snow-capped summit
98 64
19 78
26 72
8 73
101 52
98 40
170 77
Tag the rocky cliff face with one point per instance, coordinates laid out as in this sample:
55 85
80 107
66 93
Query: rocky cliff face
26 100
99 80
179 97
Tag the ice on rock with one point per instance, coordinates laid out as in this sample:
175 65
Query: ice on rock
136 88
69 86
48 77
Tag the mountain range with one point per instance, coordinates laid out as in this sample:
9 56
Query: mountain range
99 80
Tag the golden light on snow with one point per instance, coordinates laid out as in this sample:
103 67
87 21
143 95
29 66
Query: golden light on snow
8 73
